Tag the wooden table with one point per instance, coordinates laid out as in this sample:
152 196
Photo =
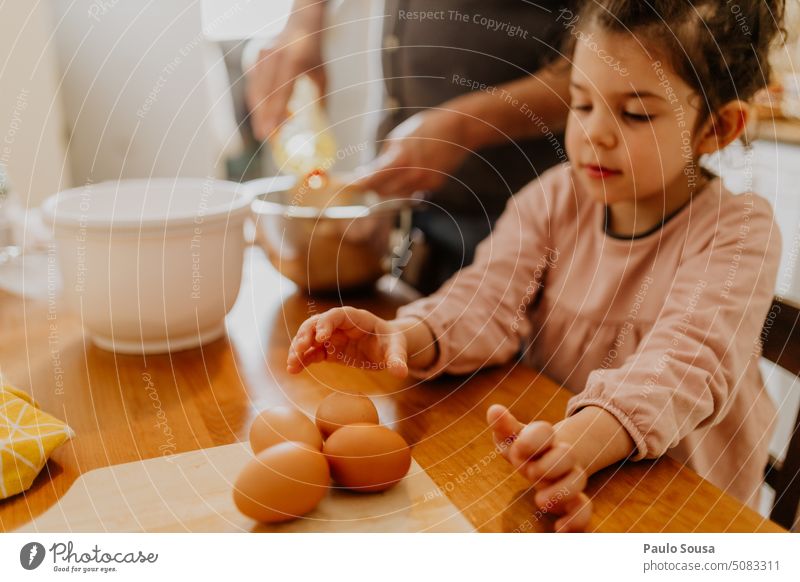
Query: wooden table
126 408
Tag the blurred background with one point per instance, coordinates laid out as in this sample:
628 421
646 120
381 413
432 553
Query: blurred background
94 90
116 89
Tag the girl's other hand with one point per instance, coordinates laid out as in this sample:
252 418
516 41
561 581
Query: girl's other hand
352 337
550 465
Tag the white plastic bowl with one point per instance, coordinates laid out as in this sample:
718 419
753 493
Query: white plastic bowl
151 265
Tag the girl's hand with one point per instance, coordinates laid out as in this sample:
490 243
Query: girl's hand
538 455
352 337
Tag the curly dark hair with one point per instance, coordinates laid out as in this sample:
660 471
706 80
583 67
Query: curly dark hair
719 47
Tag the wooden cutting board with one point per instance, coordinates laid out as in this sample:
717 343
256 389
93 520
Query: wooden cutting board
192 492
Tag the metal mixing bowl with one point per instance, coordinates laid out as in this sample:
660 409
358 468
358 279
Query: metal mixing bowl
339 241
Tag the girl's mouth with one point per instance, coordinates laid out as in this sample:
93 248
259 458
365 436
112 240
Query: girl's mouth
600 172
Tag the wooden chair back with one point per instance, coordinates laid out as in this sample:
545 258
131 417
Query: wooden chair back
780 339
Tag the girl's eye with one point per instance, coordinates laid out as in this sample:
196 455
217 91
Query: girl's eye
637 116
581 107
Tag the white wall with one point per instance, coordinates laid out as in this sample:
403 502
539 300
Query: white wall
352 53
145 94
32 126
772 170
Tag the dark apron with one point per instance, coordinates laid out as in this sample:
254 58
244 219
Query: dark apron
487 41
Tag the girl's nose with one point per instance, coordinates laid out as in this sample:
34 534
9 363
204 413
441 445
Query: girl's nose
600 129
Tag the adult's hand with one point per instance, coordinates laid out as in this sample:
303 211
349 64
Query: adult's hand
422 151
297 51
419 154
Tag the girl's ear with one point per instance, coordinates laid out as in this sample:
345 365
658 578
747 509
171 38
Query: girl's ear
724 126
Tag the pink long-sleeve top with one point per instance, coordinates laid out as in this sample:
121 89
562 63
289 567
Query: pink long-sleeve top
661 330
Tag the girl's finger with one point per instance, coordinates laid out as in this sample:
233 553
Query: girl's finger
313 356
296 362
303 340
534 440
304 337
552 465
562 491
578 516
328 323
505 427
396 356
293 364
393 348
339 318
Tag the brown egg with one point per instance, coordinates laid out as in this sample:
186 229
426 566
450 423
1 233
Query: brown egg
339 409
366 457
283 482
283 423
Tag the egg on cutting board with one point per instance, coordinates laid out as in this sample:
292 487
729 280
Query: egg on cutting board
340 408
283 423
367 457
283 482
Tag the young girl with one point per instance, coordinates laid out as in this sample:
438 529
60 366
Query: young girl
630 275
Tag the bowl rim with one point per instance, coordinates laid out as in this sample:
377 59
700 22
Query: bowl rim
262 189
53 217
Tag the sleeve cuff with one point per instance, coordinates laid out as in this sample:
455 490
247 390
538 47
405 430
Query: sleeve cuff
577 402
437 329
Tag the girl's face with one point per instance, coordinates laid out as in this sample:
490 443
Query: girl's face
630 132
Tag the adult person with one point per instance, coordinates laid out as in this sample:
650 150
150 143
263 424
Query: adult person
476 101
